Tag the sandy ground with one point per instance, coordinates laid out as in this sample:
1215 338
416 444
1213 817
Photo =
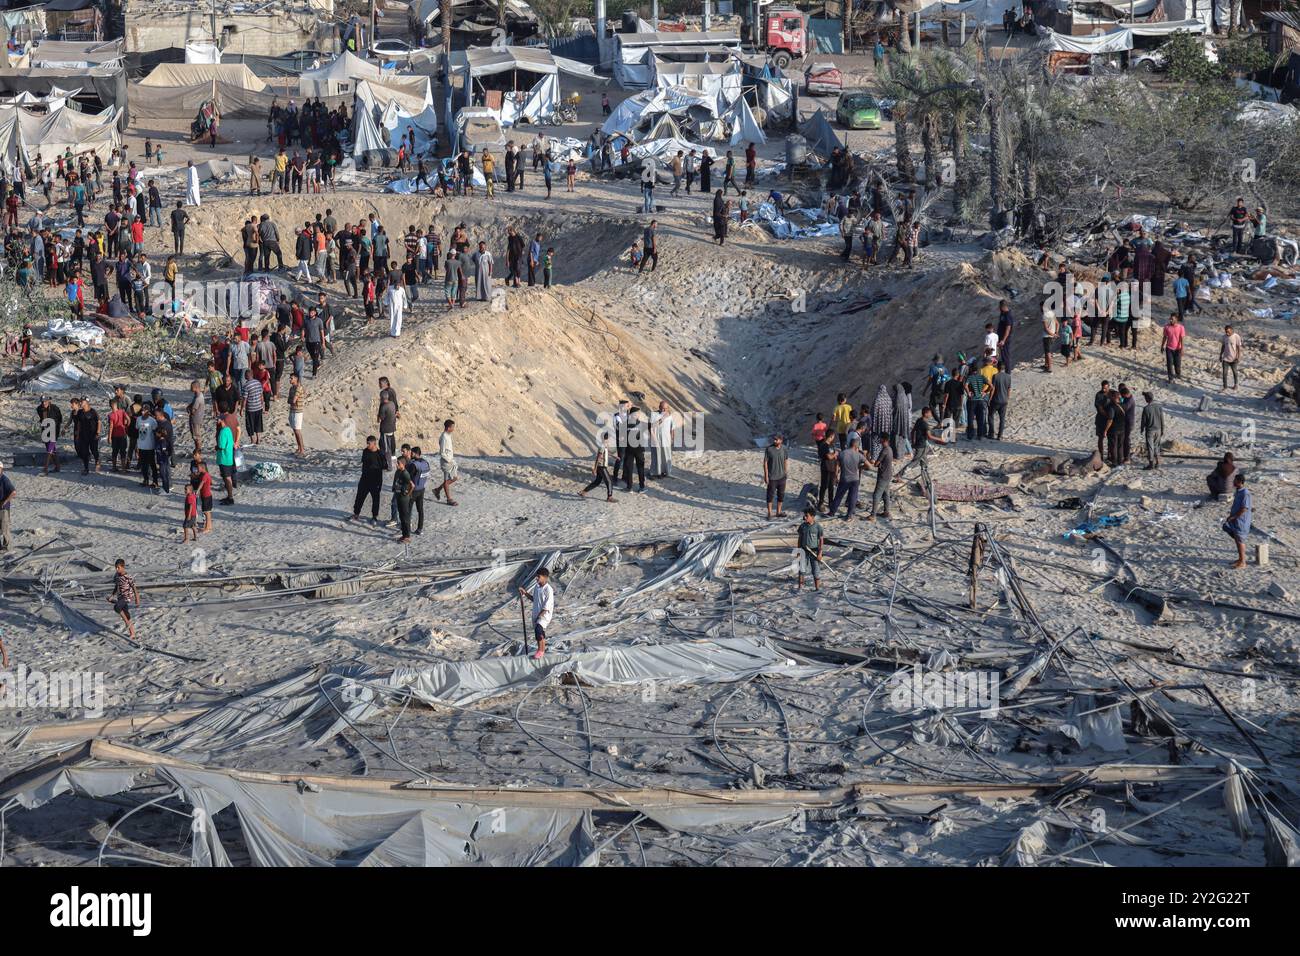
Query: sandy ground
713 332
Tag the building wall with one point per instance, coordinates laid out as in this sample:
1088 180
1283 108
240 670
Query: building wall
151 26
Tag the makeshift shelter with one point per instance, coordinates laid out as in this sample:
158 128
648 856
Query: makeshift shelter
69 55
376 127
514 82
179 90
74 18
635 53
339 77
821 136
723 80
985 13
26 134
744 128
100 87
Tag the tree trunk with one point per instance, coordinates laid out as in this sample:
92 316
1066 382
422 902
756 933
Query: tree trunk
928 149
997 199
846 17
904 40
444 15
903 144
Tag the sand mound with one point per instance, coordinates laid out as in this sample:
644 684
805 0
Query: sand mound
527 381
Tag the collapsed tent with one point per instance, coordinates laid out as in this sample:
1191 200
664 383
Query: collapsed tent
721 80
744 128
821 136
100 87
179 91
377 128
340 76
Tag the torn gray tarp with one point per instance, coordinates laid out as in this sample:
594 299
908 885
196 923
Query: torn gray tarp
1089 724
821 136
288 825
356 692
706 558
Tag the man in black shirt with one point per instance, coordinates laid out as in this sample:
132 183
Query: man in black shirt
179 218
373 466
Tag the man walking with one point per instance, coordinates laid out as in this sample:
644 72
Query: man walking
880 495
1172 337
447 462
1153 429
1229 355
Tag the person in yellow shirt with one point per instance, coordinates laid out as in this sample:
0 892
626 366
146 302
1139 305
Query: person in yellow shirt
281 167
489 168
841 417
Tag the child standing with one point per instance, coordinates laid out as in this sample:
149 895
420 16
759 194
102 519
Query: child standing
190 525
548 263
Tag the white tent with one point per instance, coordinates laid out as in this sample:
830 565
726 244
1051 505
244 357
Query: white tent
721 80
977 12
744 128
634 53
1117 41
542 100
27 134
339 77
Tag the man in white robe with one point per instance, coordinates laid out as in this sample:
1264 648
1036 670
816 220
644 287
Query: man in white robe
396 299
483 273
192 186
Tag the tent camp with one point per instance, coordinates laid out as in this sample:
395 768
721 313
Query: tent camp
26 134
179 90
339 77
635 53
1118 40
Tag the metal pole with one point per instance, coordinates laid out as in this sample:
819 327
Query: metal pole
707 15
917 44
963 29
654 15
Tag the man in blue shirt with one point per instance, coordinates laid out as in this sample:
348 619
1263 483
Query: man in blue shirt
420 473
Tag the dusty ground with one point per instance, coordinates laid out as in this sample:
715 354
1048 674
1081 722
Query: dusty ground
712 331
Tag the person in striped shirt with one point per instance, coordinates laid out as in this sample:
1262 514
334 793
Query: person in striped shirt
124 595
254 405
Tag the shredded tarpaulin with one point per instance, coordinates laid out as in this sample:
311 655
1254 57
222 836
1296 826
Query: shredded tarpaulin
1234 801
703 559
320 703
1087 725
1029 845
58 377
1095 525
1281 841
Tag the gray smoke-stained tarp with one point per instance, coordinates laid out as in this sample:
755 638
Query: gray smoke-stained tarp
287 825
704 558
821 136
1116 41
687 662
87 781
312 704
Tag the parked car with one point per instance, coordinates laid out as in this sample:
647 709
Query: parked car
823 78
857 109
392 50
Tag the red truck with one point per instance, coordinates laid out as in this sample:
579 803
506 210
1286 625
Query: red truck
785 34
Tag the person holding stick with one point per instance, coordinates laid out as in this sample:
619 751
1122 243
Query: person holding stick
543 610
